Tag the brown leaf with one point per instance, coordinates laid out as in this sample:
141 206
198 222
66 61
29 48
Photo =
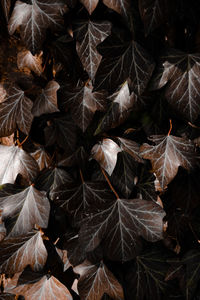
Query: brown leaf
18 252
105 153
46 102
118 227
83 103
16 161
15 112
45 289
41 157
167 155
95 280
90 5
24 210
25 59
88 35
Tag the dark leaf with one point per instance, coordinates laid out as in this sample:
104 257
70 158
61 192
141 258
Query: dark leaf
145 276
83 103
120 6
179 72
152 13
120 225
88 35
15 112
79 198
33 20
167 155
95 280
62 131
46 102
119 110
18 252
52 180
122 61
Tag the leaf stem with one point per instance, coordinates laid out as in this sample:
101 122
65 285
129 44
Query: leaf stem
170 129
20 144
81 175
109 183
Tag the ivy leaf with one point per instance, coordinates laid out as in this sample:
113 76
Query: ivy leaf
119 110
120 225
90 5
25 60
152 15
15 112
23 210
33 20
16 161
192 262
167 155
127 166
79 198
179 72
61 130
46 102
88 35
95 280
18 252
46 288
123 60
52 179
83 103
120 6
41 157
105 153
145 276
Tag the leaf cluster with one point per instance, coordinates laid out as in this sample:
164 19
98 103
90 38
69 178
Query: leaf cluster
99 149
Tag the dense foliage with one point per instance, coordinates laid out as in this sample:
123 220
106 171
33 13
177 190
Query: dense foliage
100 136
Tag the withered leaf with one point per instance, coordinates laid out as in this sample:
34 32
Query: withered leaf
95 280
167 155
25 59
83 103
24 210
105 153
179 71
18 252
88 35
120 225
33 20
46 288
46 102
16 161
123 60
15 112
